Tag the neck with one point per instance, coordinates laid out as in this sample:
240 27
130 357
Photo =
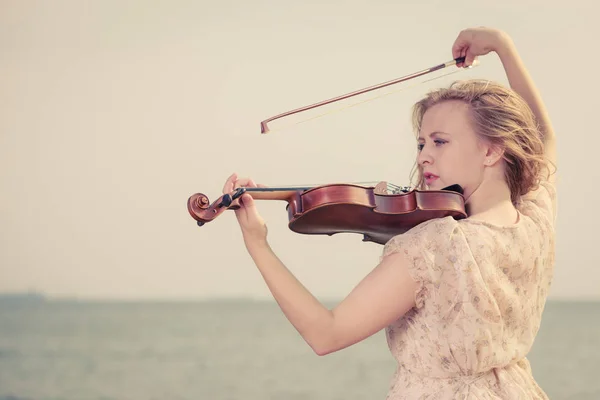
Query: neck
491 195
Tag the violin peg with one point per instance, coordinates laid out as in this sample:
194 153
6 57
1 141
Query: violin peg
226 201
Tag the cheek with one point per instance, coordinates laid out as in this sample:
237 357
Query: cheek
463 166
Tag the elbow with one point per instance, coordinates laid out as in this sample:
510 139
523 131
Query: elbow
324 349
325 340
331 346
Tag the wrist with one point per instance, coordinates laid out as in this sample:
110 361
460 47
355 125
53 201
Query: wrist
504 45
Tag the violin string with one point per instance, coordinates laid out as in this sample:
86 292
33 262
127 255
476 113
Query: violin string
364 101
312 185
390 186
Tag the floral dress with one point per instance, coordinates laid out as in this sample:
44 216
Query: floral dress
482 291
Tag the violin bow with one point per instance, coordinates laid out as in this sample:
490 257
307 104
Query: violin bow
265 129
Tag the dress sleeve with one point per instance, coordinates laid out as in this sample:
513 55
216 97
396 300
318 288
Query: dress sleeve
543 199
424 250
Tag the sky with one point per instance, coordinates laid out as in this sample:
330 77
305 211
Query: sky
114 113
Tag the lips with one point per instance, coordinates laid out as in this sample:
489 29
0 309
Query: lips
429 177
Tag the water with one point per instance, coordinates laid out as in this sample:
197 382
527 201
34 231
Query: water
234 350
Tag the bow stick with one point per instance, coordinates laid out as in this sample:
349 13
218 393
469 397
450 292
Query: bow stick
265 129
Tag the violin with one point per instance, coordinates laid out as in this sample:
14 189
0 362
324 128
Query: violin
377 211
374 211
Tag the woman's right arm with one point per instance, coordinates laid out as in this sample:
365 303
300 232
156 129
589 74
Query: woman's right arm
522 83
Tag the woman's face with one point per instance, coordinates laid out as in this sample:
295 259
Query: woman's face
450 151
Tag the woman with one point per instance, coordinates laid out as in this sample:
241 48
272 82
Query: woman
461 301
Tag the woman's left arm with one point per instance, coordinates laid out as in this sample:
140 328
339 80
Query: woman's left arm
382 297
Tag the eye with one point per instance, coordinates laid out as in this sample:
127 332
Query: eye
438 142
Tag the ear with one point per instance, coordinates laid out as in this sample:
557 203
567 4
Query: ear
493 154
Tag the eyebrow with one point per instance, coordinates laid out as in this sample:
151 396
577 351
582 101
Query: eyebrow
434 133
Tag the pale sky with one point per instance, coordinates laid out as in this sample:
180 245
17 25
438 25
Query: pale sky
113 113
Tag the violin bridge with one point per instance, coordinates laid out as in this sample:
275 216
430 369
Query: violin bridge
386 188
381 188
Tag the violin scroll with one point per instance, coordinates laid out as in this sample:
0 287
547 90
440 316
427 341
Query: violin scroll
203 211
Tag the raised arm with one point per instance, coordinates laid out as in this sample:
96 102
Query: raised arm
521 82
479 41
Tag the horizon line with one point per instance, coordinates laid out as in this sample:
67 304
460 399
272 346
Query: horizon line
40 296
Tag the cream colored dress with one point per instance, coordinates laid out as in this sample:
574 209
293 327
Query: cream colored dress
479 305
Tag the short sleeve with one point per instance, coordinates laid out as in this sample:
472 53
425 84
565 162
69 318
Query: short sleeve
425 251
543 199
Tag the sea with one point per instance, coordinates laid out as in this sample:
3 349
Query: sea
235 349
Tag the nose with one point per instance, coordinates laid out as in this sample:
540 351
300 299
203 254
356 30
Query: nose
424 156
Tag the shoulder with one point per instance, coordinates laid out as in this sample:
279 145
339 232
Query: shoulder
540 203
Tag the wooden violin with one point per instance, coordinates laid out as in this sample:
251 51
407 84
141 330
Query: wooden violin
374 211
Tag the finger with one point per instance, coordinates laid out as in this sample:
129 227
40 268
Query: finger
243 182
463 53
228 186
459 52
249 207
470 57
458 48
241 212
247 200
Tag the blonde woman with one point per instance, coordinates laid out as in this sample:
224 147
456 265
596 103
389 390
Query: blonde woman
460 300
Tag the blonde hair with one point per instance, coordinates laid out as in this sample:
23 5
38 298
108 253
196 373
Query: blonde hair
502 118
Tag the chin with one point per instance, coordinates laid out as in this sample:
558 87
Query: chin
435 186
